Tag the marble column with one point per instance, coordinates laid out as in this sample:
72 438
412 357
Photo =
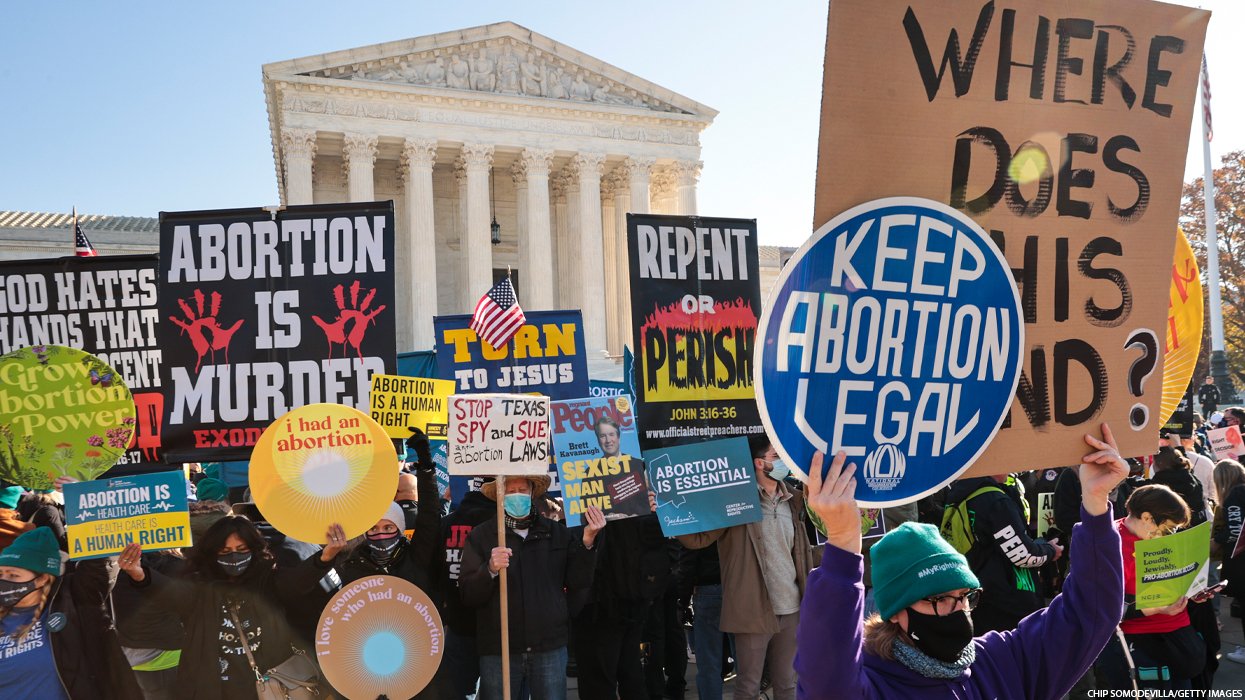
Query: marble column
536 252
632 198
464 303
298 150
592 281
608 251
477 243
686 173
519 177
569 262
662 191
418 158
358 161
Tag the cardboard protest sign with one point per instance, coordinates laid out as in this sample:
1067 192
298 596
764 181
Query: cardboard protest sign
1172 566
1061 129
261 313
893 335
102 517
379 636
400 403
695 297
1183 339
63 412
598 458
546 356
1226 442
323 464
703 486
498 434
1046 513
105 305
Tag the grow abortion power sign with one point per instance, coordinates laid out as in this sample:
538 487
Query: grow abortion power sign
894 335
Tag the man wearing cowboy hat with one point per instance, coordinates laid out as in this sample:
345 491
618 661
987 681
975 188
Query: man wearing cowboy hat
546 565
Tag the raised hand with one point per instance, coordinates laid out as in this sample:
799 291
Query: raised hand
1100 472
833 499
131 562
336 538
594 522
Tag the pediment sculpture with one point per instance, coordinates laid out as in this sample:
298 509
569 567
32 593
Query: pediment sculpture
502 67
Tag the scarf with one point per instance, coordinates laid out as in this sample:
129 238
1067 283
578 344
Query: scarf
523 523
928 666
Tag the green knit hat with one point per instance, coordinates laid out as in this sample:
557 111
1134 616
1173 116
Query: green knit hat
36 550
10 495
913 562
209 489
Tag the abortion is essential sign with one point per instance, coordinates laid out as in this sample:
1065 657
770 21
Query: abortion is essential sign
895 335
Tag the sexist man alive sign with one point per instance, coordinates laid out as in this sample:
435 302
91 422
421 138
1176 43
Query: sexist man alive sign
1061 129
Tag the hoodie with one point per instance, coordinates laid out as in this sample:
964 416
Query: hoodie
1040 659
475 508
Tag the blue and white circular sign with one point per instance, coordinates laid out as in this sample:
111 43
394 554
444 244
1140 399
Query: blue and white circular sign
894 334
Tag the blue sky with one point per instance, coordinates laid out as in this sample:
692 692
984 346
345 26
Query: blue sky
136 107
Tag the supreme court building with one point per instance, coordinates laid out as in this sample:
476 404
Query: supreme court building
460 129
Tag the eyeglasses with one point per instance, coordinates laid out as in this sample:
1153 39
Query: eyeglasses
948 604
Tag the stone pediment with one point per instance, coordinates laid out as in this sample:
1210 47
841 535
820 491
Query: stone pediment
502 59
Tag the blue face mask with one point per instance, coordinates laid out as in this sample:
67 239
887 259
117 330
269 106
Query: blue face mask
779 470
518 505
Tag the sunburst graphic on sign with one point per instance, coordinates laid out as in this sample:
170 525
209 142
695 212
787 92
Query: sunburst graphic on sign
379 635
1184 327
323 464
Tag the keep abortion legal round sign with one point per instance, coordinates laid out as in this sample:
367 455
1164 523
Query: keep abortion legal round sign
895 334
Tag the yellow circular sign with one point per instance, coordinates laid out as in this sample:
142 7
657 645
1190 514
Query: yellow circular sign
379 635
323 464
1184 327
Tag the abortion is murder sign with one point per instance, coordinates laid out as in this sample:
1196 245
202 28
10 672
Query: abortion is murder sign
1062 130
261 314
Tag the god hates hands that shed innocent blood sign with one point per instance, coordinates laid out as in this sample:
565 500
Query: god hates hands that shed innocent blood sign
1061 128
893 336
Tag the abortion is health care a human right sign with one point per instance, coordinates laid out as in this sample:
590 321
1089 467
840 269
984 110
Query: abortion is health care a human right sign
894 335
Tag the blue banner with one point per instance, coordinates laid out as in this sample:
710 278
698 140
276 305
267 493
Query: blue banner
895 335
546 356
703 486
600 388
102 517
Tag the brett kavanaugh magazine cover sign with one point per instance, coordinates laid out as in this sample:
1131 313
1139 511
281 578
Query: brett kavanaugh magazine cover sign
261 314
103 305
695 299
599 458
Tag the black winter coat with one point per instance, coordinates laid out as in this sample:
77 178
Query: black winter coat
546 568
473 510
88 656
634 564
1185 483
1004 556
199 603
416 559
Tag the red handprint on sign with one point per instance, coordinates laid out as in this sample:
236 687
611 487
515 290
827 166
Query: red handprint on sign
200 326
351 323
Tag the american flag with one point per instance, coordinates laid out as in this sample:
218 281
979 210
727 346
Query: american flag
81 246
1210 132
497 316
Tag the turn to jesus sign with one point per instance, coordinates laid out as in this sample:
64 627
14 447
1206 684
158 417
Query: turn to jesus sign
895 336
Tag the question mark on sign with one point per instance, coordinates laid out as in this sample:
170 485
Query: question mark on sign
1140 371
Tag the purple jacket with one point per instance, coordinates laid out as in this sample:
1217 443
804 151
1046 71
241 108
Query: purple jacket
1042 658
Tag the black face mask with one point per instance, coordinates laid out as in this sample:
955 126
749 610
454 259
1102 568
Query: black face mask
943 638
383 548
12 592
235 564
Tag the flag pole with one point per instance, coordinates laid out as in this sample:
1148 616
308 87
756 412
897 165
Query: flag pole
1218 358
499 485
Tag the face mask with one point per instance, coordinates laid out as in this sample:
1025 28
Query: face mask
234 564
12 592
941 637
382 547
518 505
778 470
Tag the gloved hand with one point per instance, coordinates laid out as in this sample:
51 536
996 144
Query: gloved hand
419 442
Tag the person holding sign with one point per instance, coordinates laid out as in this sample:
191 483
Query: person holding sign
55 642
546 566
921 643
1165 650
232 577
1226 533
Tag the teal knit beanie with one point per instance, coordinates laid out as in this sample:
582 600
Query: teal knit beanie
210 489
10 495
913 562
36 550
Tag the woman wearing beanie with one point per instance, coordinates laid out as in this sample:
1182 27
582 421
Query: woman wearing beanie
55 642
231 575
386 550
922 643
